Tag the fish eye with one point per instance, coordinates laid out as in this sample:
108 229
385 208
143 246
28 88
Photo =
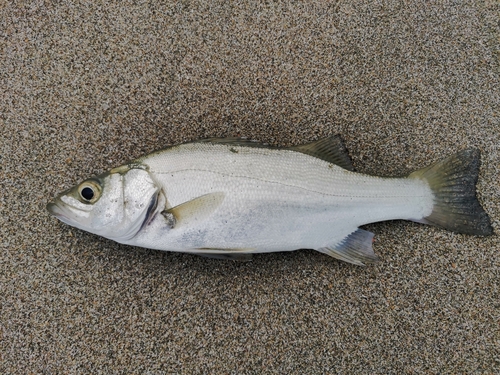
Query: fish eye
87 193
90 191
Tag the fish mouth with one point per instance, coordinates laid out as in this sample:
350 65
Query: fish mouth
57 211
61 213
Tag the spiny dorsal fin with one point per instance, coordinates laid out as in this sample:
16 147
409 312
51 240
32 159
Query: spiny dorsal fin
233 141
356 248
329 149
193 211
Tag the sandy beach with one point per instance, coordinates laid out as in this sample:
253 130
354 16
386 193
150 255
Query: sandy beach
87 86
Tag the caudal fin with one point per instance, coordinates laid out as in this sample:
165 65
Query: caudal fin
453 182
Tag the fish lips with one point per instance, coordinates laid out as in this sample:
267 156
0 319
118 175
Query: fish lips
57 211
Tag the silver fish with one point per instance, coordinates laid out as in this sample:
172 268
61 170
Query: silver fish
229 198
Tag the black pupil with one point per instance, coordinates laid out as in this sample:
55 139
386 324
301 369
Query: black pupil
87 193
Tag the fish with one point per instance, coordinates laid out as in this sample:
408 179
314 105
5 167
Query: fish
230 198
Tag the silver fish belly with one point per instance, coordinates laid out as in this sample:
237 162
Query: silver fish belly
230 198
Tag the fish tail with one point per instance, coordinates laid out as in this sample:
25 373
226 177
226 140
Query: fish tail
453 183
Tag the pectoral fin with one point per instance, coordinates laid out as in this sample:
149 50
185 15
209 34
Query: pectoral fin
193 211
355 248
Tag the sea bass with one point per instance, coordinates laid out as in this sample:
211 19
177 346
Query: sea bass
229 198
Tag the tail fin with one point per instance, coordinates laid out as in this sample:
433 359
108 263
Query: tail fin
453 182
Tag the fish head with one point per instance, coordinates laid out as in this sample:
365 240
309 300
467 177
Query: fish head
116 204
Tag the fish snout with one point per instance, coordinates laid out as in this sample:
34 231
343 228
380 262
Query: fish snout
55 210
52 208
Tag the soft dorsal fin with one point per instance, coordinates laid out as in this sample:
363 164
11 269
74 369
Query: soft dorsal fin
329 149
193 211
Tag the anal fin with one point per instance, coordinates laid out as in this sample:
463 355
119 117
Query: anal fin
356 248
